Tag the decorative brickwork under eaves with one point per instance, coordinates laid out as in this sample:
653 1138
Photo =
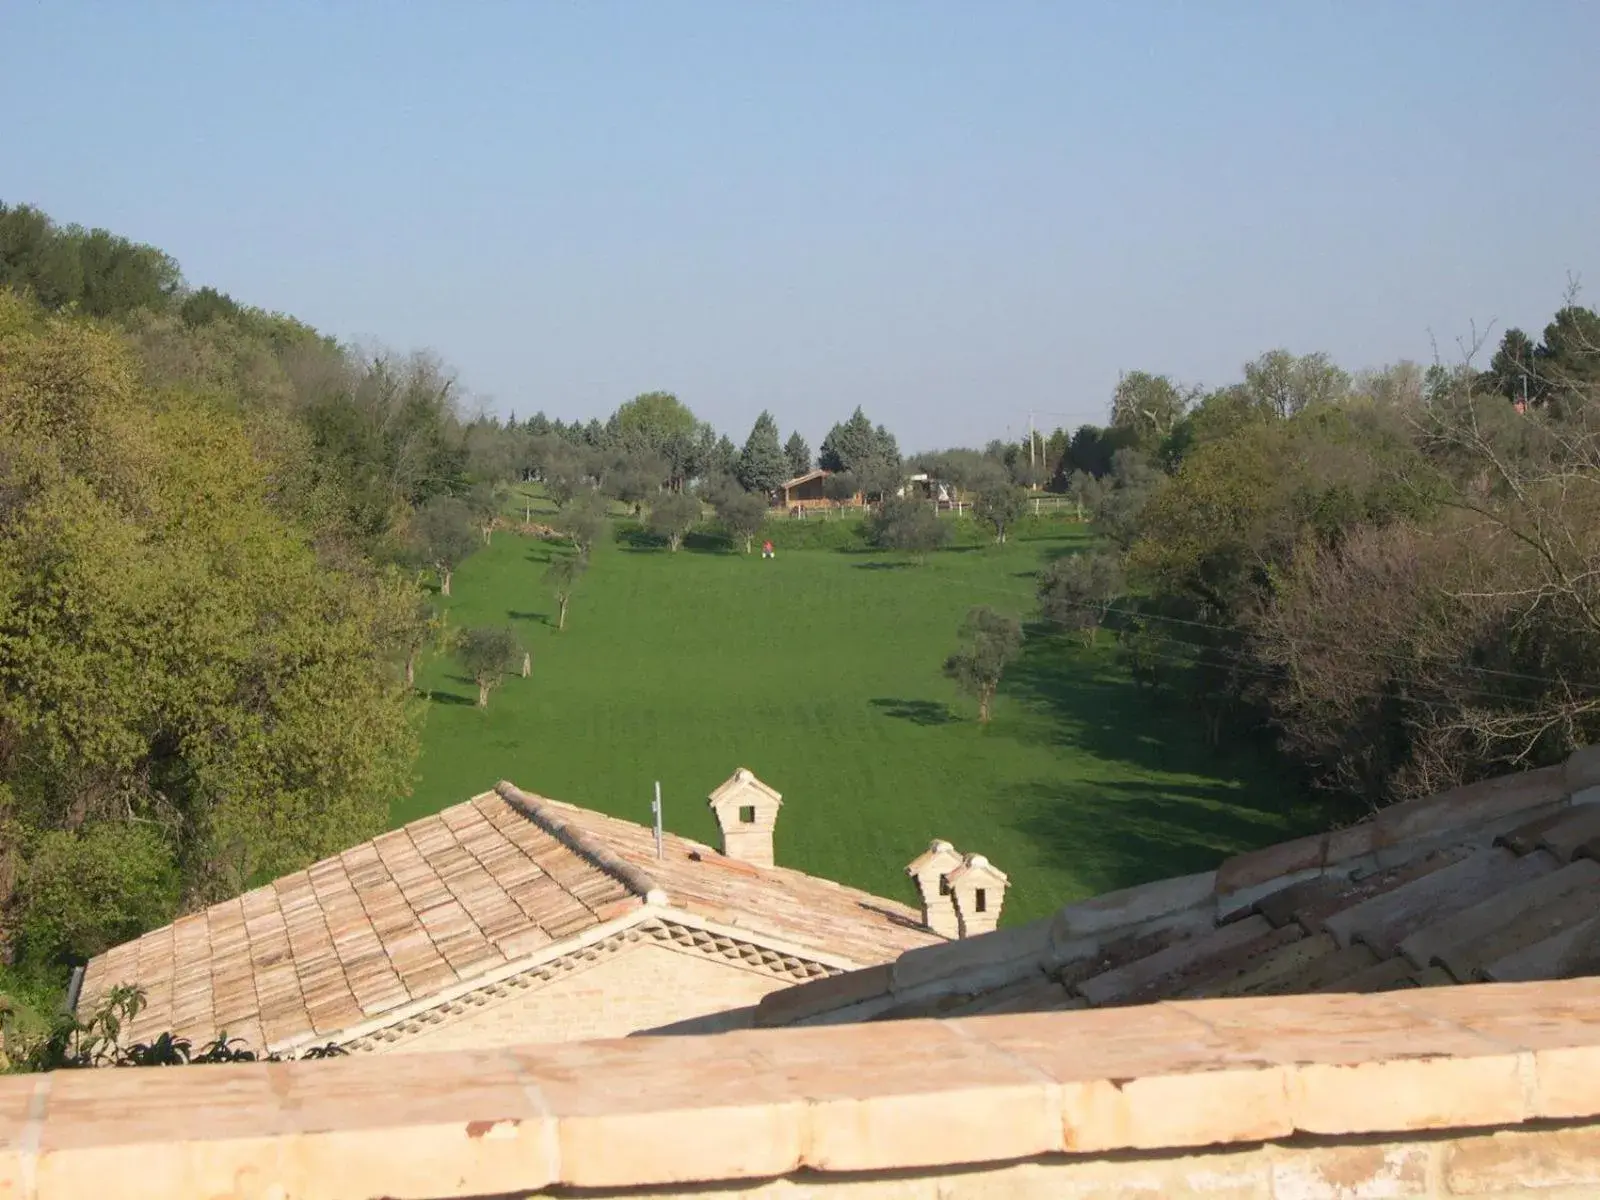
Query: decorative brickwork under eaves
675 935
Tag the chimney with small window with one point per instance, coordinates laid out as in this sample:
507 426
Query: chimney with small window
978 890
746 811
929 869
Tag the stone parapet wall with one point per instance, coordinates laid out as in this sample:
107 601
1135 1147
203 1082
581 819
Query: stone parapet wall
1471 1091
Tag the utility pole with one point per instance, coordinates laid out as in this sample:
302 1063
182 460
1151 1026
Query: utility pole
1030 439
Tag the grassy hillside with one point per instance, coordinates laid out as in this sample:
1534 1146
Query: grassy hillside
820 671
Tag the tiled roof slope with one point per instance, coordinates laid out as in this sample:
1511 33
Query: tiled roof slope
451 898
1496 881
772 902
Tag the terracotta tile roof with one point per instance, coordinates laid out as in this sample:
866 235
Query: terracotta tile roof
773 902
815 473
1493 882
450 898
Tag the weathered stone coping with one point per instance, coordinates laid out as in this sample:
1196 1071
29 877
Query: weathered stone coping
902 1096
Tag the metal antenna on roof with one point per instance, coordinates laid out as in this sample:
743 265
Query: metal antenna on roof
655 807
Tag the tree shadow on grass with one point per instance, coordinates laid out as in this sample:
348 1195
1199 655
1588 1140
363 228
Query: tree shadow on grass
701 542
1180 804
1119 833
636 539
1056 553
918 712
437 697
883 566
518 615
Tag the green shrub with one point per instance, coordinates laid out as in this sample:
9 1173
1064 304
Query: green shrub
82 893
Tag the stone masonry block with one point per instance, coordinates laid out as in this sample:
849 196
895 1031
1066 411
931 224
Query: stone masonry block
1514 1162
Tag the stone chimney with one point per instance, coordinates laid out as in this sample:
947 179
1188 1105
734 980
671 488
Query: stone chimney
978 890
747 810
929 869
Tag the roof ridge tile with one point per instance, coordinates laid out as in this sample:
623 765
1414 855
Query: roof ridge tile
578 841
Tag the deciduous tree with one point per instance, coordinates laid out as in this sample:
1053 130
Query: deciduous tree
177 658
1147 405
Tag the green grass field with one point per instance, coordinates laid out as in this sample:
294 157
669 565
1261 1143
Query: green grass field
820 671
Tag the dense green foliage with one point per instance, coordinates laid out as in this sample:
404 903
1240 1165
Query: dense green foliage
907 523
192 697
1393 574
67 1042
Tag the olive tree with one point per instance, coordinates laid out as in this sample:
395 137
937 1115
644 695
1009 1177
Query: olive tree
483 502
444 537
1076 592
673 517
840 487
999 506
907 523
490 653
989 642
563 575
742 514
583 519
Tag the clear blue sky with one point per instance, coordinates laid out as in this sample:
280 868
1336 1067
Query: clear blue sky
948 213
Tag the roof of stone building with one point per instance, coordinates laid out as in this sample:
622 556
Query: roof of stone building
461 895
1497 881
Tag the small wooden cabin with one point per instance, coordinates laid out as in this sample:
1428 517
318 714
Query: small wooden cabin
804 492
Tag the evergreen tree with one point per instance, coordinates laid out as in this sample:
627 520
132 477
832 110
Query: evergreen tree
798 454
762 465
870 454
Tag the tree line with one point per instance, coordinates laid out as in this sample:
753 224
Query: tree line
1394 576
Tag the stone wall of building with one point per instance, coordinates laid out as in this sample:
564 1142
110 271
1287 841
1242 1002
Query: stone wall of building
1550 1164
